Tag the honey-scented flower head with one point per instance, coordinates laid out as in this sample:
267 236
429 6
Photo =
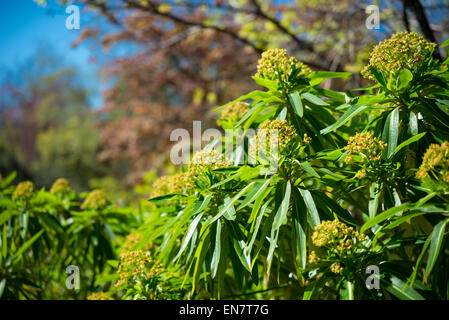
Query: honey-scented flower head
275 64
95 200
212 159
60 186
336 235
24 190
365 145
435 162
99 296
403 50
132 240
233 113
172 184
313 258
137 264
336 268
272 135
204 160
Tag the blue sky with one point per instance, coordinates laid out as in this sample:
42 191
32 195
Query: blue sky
24 26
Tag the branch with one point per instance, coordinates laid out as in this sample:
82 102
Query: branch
155 10
301 43
405 15
420 14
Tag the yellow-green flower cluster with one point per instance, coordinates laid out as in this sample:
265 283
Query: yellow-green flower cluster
95 200
435 162
60 186
136 265
365 145
132 240
337 268
24 190
275 64
338 240
313 258
233 113
204 160
99 296
173 184
274 135
336 236
402 50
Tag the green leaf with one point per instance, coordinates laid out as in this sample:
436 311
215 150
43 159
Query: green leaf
295 102
254 194
379 76
311 207
373 204
393 132
27 244
402 291
384 216
314 99
435 246
409 141
404 78
217 251
308 168
229 213
239 245
329 75
189 234
269 84
6 181
353 111
283 209
445 44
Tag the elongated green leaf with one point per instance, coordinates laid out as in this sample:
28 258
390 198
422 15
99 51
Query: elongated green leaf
379 76
311 207
273 242
283 209
227 206
413 124
314 99
435 246
384 216
256 228
254 194
189 234
2 287
27 244
393 132
229 213
308 168
353 111
239 245
295 102
269 84
329 74
217 251
409 141
399 289
374 199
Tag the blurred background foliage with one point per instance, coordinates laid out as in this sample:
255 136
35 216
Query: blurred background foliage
192 55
